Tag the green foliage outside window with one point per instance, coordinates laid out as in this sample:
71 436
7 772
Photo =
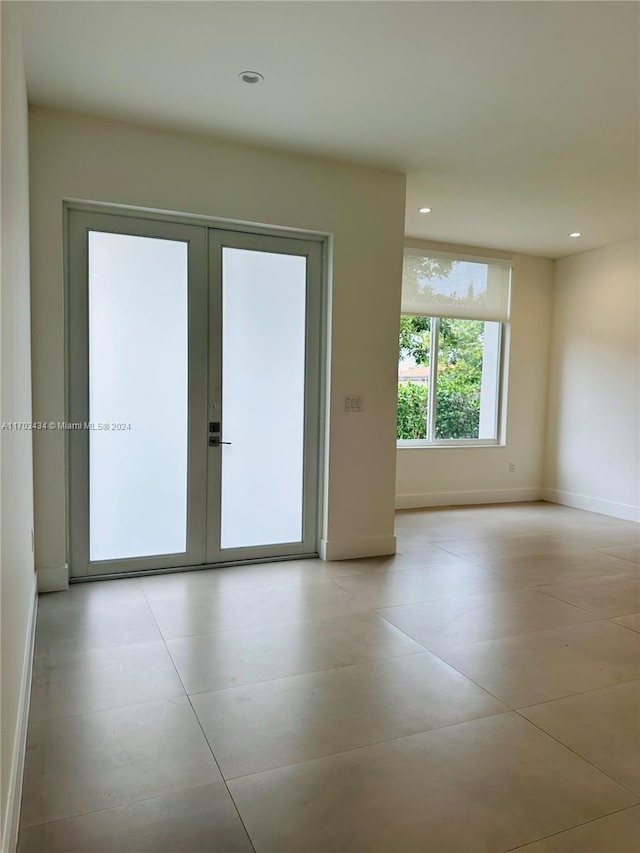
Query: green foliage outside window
459 378
412 410
458 405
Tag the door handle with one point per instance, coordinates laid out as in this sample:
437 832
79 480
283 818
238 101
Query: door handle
215 441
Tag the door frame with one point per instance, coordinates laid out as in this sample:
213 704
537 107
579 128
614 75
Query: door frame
195 230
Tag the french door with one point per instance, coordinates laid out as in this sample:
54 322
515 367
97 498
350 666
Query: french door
193 360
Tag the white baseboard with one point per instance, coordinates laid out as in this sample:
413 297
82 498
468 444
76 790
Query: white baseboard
628 512
352 549
53 580
482 496
16 773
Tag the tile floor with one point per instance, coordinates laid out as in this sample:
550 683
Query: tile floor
477 692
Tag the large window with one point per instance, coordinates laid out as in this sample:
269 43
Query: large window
451 334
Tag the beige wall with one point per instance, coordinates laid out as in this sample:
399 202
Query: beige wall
437 476
17 579
78 157
593 426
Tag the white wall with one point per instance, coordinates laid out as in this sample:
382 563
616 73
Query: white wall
79 157
593 424
17 577
440 476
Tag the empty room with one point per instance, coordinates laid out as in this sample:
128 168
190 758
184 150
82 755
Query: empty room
320 446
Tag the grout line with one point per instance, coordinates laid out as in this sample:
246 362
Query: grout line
204 735
517 708
579 693
244 684
222 776
462 644
515 636
371 745
577 754
620 625
484 689
111 808
571 828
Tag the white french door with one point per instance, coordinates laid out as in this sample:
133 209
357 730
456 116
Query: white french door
193 394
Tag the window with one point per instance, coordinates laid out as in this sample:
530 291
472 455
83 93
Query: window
451 330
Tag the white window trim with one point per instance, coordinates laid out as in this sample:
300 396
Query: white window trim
422 443
434 337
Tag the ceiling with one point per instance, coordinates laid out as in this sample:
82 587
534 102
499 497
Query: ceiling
517 122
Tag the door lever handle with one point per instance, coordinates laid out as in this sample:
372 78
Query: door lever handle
215 441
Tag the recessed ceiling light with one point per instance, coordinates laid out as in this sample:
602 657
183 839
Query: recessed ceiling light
424 210
576 234
251 77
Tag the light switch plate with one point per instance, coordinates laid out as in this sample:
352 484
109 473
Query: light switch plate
353 403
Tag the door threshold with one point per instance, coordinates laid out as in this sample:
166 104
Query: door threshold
143 573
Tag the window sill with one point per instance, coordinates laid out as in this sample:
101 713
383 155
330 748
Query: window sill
454 444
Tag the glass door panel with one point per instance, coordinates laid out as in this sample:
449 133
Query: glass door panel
138 396
263 397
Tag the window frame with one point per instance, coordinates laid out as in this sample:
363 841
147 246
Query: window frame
431 440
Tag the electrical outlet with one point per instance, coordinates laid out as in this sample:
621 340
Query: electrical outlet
512 468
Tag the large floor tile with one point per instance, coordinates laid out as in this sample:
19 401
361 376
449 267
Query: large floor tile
552 664
100 679
109 593
416 544
438 529
616 833
274 723
602 726
631 621
541 569
229 578
384 589
424 517
69 630
614 595
610 536
479 530
470 619
95 761
498 547
492 515
232 658
565 520
419 515
196 820
192 615
456 789
414 554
